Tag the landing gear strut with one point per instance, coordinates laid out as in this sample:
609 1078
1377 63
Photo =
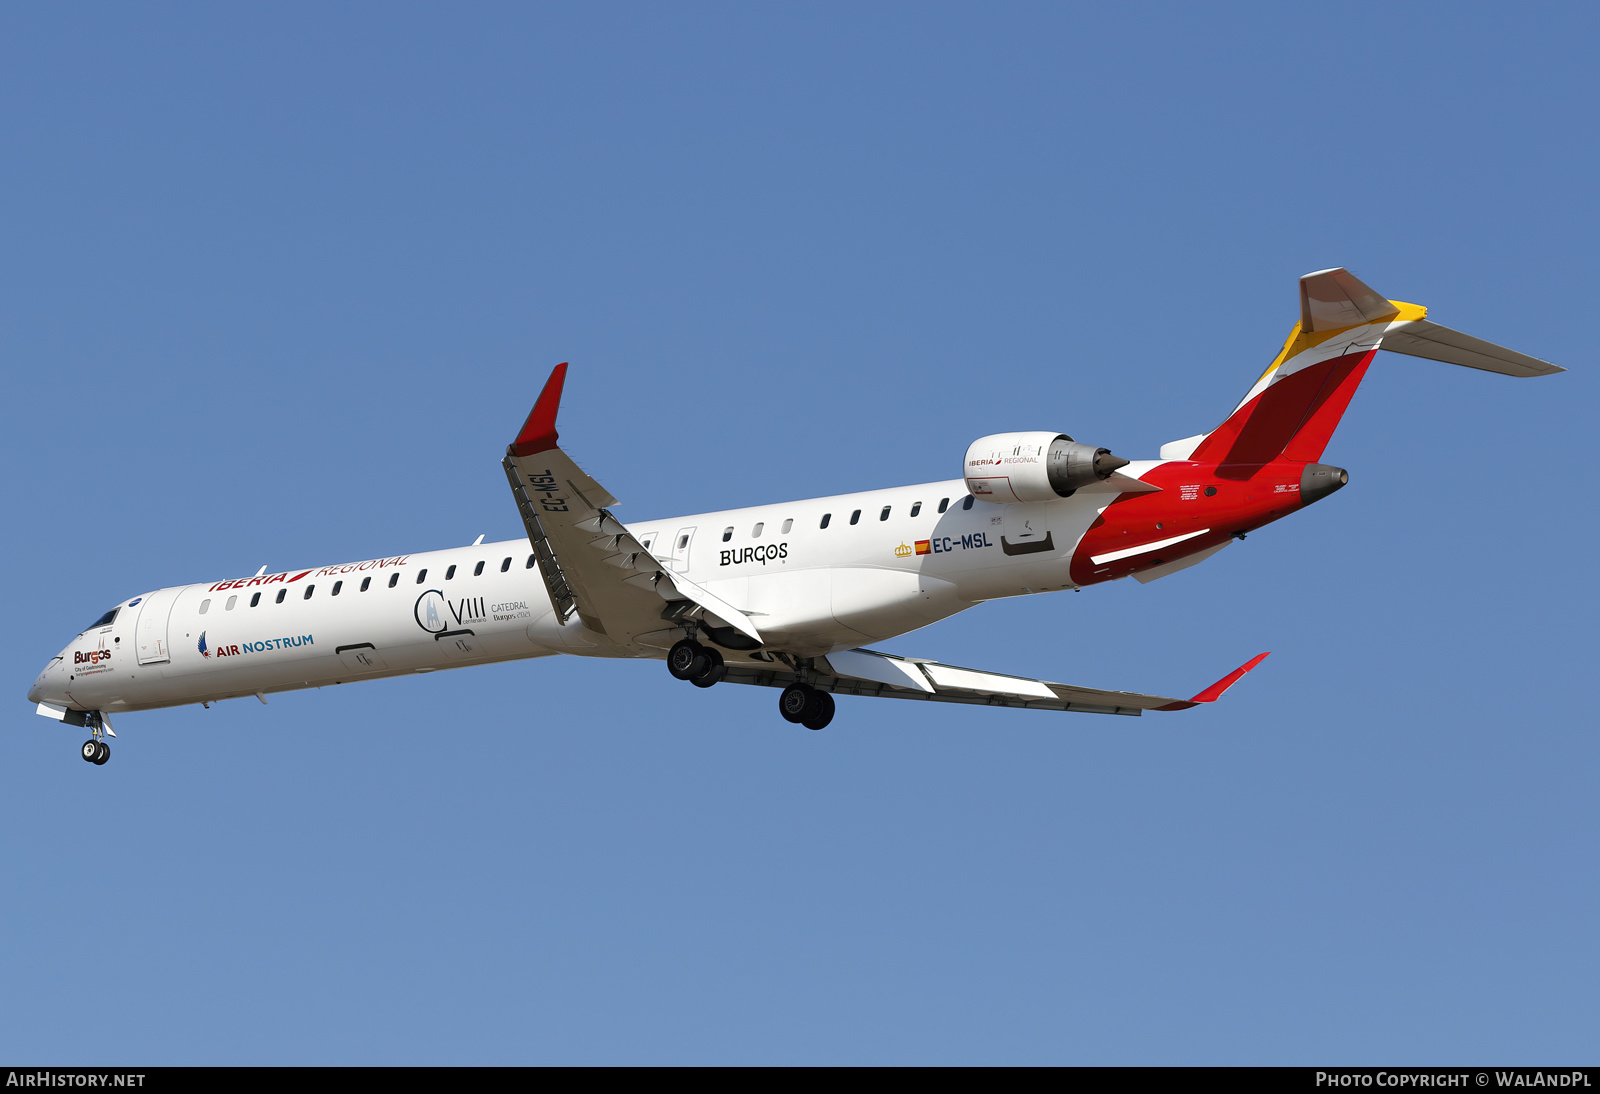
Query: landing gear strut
804 705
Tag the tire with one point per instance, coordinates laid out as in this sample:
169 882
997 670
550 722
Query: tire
715 670
823 714
795 702
90 750
687 659
104 755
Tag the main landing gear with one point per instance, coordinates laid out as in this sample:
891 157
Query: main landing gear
689 660
702 666
804 705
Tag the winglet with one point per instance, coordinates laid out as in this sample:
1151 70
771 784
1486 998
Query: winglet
539 431
1214 692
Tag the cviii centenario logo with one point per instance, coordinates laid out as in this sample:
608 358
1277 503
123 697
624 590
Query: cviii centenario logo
767 552
433 612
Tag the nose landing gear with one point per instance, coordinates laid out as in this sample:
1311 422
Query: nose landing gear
95 750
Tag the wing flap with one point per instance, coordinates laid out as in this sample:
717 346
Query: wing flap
883 675
592 566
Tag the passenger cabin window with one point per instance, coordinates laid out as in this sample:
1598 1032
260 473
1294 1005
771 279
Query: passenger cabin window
394 579
337 585
944 503
788 524
966 502
366 582
531 560
727 534
422 575
826 517
916 508
506 565
885 514
232 600
281 594
477 571
855 516
255 599
755 533
205 606
450 573
309 590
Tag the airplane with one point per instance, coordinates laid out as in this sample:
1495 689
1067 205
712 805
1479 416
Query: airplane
785 596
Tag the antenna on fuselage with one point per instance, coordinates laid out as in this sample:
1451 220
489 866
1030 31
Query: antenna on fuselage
261 571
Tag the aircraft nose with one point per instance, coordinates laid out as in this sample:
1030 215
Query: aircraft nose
49 684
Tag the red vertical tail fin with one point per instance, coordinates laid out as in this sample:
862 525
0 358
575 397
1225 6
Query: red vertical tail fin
1294 408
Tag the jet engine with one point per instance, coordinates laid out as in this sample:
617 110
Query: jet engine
1013 467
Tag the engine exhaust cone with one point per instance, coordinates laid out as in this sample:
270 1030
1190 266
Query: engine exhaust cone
1105 463
1319 480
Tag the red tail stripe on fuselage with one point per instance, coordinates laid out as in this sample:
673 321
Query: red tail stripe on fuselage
1243 498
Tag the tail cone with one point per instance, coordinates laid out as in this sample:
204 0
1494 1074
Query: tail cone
1319 480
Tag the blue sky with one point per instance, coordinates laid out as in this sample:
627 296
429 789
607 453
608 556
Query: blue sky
278 283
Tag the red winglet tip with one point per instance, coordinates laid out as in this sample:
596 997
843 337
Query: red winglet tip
1214 692
539 431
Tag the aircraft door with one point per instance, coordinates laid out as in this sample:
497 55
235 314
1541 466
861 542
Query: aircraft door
151 631
682 540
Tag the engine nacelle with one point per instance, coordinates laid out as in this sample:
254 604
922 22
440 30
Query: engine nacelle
1013 467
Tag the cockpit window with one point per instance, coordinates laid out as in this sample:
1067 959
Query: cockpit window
104 620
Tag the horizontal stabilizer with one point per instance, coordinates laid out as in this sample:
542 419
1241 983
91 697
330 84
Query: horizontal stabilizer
1336 299
1421 338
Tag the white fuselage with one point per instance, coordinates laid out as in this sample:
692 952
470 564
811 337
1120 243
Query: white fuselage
810 589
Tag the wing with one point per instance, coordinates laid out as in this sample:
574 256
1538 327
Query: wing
592 567
867 672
